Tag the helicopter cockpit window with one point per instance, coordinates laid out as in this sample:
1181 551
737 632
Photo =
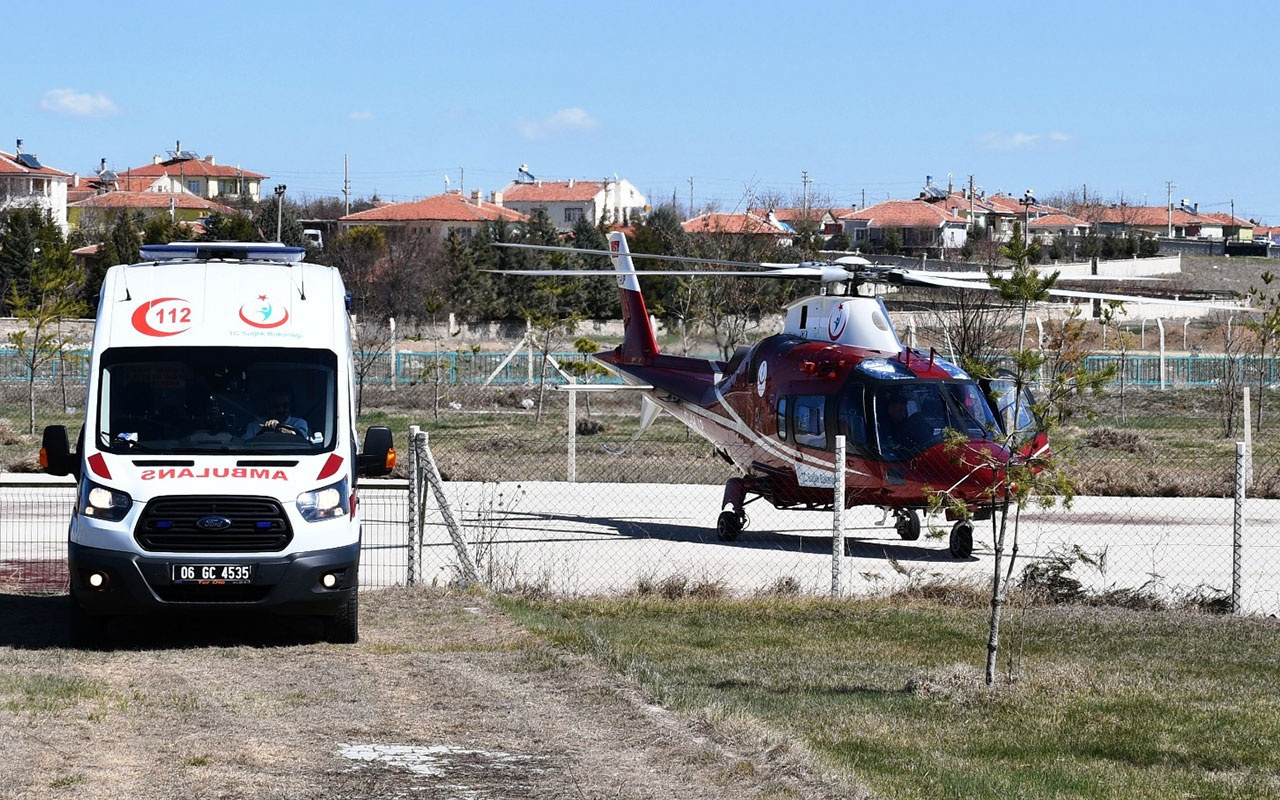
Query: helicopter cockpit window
910 419
217 400
810 427
1004 391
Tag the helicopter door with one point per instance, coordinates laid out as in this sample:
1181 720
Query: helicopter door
1001 394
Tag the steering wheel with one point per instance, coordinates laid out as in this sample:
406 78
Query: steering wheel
280 428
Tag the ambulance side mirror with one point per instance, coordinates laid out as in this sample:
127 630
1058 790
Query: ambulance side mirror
55 452
378 456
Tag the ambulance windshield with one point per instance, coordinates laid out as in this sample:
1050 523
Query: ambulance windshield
217 400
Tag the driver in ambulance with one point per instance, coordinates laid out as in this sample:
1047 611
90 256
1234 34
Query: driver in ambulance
278 416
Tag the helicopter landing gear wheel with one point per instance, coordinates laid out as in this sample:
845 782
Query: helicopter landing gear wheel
907 524
730 524
961 542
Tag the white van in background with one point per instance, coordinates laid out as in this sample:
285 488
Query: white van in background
198 490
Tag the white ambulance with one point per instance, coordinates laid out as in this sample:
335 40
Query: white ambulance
218 459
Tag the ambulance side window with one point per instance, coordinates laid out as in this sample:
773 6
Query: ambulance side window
809 421
782 418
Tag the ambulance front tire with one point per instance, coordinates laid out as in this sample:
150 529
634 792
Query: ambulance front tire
344 626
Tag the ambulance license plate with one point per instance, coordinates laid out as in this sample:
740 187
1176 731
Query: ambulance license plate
213 574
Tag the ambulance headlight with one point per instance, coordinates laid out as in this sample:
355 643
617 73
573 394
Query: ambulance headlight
326 502
102 503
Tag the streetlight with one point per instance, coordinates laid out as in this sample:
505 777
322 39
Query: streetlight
279 211
1028 200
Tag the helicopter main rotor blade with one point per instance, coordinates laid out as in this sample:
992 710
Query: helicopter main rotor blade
922 279
826 274
551 248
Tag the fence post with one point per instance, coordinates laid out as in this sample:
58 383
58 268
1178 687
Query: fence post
573 435
837 521
413 533
1237 534
465 563
1248 440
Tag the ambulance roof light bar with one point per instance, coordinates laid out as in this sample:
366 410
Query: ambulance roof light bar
223 251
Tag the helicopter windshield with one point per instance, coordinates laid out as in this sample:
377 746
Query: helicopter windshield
216 400
910 417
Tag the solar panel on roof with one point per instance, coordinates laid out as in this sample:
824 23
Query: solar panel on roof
28 160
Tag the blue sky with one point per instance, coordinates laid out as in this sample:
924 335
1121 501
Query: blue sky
743 98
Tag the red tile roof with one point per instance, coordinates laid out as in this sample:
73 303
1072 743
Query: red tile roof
1228 220
749 224
448 207
151 200
1148 216
904 214
553 192
193 167
1056 221
10 166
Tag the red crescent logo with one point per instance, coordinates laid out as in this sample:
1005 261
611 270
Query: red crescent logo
275 324
165 316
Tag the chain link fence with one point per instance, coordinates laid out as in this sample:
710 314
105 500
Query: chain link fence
530 498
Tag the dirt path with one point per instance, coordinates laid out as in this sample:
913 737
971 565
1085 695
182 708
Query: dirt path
443 698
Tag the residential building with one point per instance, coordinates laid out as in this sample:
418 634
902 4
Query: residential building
824 221
185 170
615 201
749 224
920 227
1177 221
432 216
1048 226
181 206
25 182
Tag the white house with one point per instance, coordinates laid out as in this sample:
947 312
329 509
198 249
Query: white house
565 202
25 182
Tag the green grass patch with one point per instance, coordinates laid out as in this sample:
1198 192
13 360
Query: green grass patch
1098 703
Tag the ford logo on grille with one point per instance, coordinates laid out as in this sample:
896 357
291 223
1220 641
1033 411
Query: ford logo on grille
213 523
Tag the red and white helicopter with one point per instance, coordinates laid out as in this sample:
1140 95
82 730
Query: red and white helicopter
838 367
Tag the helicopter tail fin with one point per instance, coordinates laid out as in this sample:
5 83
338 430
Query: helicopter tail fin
639 344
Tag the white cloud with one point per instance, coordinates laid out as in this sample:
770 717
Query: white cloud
999 140
568 120
78 104
360 116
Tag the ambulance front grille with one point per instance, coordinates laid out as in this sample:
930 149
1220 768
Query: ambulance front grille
213 525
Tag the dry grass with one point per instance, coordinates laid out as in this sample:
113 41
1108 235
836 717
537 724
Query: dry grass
253 709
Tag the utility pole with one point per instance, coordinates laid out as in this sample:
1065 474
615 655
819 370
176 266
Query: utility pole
804 203
691 214
1169 187
280 188
346 185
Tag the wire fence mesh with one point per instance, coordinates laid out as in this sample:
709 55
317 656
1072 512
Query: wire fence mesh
574 506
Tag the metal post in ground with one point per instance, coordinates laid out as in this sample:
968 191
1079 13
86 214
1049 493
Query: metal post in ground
466 565
413 533
573 436
837 522
1237 531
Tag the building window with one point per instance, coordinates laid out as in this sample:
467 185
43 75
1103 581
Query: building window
193 187
572 214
